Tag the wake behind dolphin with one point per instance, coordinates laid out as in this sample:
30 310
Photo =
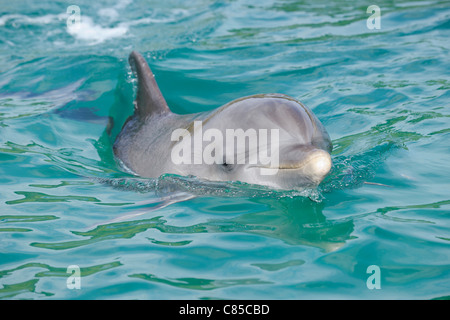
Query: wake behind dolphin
268 139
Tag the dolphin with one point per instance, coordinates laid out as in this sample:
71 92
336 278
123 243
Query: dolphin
154 139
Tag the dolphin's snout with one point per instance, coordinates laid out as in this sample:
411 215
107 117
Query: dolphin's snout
309 164
310 160
318 163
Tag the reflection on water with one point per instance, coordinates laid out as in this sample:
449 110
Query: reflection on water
45 270
296 221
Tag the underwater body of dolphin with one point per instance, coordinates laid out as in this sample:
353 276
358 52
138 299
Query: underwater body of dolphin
146 144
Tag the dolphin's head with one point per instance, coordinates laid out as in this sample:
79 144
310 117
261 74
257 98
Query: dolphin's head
270 140
297 168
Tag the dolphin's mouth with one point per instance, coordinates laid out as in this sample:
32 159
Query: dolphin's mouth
318 163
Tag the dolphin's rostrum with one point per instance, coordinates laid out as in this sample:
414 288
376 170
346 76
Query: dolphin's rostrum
301 146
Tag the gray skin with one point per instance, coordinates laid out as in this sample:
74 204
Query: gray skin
144 145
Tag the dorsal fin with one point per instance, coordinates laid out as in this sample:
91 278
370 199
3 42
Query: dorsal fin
149 99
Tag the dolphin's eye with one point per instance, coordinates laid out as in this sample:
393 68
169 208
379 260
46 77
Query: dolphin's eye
227 166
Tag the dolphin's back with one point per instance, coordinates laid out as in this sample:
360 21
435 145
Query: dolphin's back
134 142
149 99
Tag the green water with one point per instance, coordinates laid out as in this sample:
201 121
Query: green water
382 94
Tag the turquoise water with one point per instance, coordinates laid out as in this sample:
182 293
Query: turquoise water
382 94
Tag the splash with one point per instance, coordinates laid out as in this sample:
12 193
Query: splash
171 184
87 30
351 171
95 28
